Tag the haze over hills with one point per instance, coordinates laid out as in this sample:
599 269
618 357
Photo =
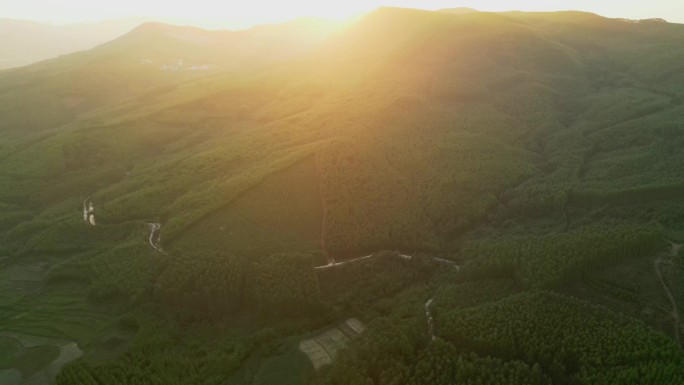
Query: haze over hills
148 58
493 195
25 42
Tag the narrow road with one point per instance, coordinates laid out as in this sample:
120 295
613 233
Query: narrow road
154 240
675 309
338 264
403 256
428 313
430 321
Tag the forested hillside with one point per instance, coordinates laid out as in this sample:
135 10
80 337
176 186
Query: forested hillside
506 189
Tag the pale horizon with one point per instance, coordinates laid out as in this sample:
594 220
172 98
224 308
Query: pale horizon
207 14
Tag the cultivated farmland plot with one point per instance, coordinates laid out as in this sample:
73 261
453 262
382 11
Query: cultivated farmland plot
323 348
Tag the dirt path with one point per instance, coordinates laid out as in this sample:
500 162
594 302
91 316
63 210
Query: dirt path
154 238
430 321
332 262
675 309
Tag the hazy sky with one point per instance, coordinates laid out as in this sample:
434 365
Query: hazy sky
244 13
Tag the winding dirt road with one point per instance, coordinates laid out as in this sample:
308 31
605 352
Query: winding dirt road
155 237
153 240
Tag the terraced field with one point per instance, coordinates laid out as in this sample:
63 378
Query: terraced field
44 326
29 359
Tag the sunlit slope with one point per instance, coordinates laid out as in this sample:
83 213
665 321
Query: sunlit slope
150 59
413 127
412 156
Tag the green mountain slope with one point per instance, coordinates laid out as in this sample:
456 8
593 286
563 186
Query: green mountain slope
538 152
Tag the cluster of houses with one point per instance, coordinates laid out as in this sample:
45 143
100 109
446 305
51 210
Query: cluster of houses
179 65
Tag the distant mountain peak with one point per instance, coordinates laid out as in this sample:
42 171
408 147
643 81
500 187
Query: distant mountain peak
159 27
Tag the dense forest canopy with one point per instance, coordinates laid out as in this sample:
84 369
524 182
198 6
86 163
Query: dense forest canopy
418 198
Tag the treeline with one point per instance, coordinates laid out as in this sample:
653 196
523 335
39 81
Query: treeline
200 285
152 366
205 285
220 284
387 358
571 341
285 284
167 352
397 348
532 338
443 364
548 260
